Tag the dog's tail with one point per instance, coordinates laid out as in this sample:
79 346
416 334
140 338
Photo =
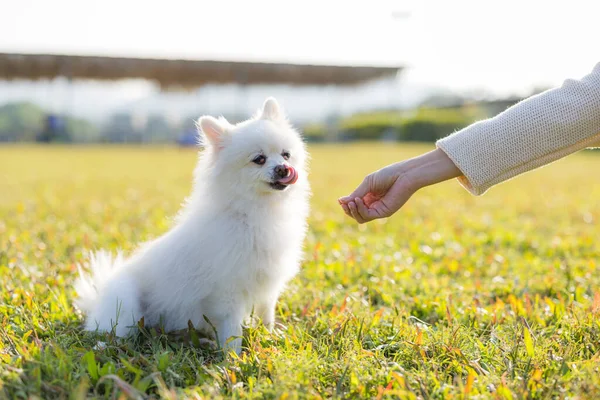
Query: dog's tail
88 285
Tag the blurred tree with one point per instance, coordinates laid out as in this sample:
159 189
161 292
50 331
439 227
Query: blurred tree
119 129
20 122
27 122
158 129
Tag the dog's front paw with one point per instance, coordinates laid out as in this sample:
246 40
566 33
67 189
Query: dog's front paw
209 344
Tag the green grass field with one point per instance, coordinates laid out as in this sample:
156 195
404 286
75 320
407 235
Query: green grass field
455 297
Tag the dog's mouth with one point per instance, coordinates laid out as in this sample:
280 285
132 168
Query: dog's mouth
283 183
277 186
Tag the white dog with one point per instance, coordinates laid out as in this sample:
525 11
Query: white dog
236 242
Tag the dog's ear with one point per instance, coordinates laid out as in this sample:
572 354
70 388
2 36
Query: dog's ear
212 129
271 110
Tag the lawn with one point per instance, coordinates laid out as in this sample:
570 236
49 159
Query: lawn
456 296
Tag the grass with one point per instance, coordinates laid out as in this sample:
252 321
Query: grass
455 297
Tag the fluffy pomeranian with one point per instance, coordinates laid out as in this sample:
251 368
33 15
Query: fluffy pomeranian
235 244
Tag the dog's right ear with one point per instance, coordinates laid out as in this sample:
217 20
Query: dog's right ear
212 129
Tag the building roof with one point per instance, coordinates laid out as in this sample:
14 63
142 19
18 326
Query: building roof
173 73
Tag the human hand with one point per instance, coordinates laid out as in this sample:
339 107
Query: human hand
380 194
385 191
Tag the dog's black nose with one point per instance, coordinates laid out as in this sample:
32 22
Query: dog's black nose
281 171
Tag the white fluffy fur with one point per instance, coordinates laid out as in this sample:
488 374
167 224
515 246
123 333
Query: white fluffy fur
235 244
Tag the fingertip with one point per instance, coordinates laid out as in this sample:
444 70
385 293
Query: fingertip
352 208
354 212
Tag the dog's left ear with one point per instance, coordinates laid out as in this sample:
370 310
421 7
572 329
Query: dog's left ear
271 110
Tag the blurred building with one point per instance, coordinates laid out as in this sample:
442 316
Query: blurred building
176 75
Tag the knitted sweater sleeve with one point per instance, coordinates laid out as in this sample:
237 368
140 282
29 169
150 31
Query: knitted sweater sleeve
528 135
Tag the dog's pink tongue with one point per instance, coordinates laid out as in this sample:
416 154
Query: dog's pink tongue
291 178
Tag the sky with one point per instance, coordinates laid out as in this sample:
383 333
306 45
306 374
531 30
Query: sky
500 47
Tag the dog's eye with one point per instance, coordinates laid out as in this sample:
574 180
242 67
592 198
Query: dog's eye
260 160
286 155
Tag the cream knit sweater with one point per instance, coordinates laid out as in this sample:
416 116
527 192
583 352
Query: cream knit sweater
528 135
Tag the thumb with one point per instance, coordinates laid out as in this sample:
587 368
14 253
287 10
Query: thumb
360 191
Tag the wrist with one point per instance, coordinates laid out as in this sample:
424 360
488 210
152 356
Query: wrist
429 169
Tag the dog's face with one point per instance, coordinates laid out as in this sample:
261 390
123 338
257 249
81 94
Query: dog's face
261 156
